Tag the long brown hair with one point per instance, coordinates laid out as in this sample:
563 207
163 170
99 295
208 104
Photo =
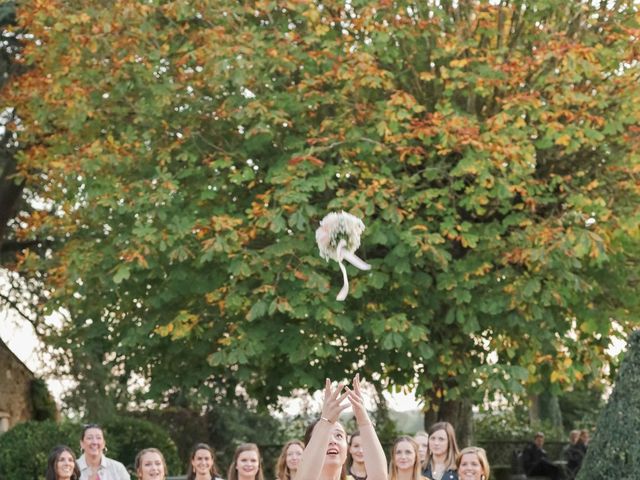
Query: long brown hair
393 467
53 460
452 445
232 473
355 434
282 470
191 473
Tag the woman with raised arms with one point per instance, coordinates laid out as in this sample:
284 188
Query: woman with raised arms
325 454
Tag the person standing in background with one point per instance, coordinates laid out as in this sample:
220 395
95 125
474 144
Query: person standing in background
355 458
202 463
150 465
405 460
535 459
246 463
443 450
573 454
289 460
422 439
93 464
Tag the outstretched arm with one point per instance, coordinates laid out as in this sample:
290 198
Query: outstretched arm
315 451
375 460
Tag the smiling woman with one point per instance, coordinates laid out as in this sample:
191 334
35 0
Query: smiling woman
325 453
62 464
246 463
150 465
92 463
202 463
472 464
405 460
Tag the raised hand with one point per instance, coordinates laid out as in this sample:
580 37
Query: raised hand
332 404
357 403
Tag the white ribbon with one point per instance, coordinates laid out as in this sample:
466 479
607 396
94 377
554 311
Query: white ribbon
354 260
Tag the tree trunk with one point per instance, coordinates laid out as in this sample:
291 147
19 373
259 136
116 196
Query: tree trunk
10 191
458 413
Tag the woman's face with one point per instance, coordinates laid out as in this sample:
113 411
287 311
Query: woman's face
438 443
423 446
356 451
64 465
470 467
337 448
404 456
294 454
202 462
151 467
248 464
92 442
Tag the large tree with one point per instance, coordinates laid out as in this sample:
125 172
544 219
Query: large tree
184 153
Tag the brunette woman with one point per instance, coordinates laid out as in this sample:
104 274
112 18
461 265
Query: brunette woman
355 458
202 463
246 463
443 450
93 463
62 465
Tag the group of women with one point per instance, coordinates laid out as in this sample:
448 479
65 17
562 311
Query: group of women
327 453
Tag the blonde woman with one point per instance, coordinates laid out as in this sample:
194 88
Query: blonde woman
422 439
289 460
472 464
405 460
150 465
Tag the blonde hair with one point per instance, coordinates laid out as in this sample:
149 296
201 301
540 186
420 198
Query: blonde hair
393 468
482 458
143 452
452 445
282 470
424 434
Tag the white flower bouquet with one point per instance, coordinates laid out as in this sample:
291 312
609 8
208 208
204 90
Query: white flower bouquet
338 237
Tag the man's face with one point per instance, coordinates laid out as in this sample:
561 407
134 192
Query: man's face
539 441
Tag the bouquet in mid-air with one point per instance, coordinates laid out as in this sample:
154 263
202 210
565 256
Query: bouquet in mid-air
338 237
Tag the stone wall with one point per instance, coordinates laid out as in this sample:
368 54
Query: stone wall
15 386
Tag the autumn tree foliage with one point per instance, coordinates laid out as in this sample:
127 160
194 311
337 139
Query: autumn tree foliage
185 152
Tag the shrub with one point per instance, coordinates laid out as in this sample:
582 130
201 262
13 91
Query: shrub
126 436
614 451
501 425
25 448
